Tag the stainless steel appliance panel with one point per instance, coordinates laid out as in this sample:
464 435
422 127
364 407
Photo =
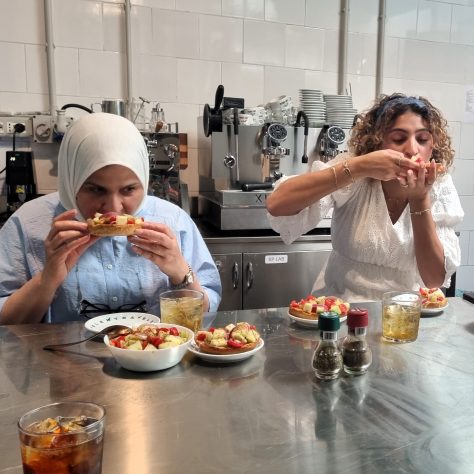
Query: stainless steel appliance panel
230 271
274 279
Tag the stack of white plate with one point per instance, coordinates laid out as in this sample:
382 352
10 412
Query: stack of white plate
312 103
339 110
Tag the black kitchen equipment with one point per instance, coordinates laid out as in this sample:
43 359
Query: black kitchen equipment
19 179
212 118
233 103
302 115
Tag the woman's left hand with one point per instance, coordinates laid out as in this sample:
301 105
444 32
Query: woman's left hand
158 243
418 184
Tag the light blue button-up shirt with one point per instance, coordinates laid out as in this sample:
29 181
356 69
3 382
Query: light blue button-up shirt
109 272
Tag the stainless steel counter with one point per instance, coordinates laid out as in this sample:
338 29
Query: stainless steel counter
413 412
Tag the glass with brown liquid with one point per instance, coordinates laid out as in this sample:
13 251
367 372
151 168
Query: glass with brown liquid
62 438
182 307
401 316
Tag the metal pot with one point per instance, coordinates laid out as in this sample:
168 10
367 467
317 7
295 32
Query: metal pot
117 107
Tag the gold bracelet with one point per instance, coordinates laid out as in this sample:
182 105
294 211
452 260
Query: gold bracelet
335 175
419 213
347 170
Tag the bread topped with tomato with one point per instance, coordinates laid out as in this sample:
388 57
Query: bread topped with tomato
233 339
432 298
113 224
440 168
311 306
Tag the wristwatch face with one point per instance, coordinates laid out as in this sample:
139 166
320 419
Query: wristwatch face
189 278
336 134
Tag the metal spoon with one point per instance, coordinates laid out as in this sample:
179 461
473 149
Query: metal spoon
111 331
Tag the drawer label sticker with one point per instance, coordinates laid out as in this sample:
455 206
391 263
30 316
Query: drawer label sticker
276 258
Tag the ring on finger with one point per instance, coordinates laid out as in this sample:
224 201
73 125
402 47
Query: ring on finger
399 162
404 185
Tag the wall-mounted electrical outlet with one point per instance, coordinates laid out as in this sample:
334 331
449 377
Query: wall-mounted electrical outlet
11 127
8 122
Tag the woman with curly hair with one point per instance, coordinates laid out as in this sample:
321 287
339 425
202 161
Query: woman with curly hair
394 203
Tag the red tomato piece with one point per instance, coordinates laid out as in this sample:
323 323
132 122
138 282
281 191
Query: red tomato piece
155 340
174 331
234 343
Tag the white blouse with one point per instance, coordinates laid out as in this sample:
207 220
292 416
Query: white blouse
370 254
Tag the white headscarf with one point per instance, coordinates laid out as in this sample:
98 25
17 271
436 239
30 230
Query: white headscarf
95 141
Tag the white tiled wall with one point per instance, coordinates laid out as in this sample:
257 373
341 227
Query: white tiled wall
259 49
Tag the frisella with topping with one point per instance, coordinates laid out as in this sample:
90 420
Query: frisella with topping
113 224
233 339
148 337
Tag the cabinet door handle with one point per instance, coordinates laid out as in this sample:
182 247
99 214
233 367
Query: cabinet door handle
249 274
235 275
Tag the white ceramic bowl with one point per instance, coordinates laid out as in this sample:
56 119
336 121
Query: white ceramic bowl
148 361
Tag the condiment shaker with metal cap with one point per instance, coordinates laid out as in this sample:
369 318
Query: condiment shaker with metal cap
356 353
327 358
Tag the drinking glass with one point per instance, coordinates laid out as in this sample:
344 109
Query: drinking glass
182 307
62 438
400 316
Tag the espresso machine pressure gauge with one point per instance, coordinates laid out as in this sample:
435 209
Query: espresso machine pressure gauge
329 141
336 135
277 132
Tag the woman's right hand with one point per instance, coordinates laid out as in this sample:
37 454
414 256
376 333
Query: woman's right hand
66 242
385 165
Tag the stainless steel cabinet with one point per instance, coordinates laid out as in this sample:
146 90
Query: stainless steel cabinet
264 273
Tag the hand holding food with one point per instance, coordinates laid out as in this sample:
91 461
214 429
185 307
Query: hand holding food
113 224
440 168
432 298
233 339
64 244
311 306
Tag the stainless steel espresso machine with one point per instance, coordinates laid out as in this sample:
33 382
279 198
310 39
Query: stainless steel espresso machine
239 165
167 154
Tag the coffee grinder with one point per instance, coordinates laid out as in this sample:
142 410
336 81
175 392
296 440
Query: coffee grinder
19 178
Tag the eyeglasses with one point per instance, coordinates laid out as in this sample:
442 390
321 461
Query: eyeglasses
88 307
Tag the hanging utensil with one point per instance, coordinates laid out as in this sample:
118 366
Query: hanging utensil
302 115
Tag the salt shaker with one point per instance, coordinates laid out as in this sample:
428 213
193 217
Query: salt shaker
356 353
327 358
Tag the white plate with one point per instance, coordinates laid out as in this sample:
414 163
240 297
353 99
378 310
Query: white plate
131 320
223 359
309 323
434 310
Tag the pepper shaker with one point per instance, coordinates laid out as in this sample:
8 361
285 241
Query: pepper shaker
327 358
356 353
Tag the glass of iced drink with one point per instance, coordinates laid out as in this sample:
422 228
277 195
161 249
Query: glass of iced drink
401 316
182 307
62 438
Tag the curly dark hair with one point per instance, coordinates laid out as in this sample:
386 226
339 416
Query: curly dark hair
368 132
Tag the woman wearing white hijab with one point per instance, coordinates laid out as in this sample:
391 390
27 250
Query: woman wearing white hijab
52 269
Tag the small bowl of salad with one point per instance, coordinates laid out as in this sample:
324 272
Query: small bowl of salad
150 347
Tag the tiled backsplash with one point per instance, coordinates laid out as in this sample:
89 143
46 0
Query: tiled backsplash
259 49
